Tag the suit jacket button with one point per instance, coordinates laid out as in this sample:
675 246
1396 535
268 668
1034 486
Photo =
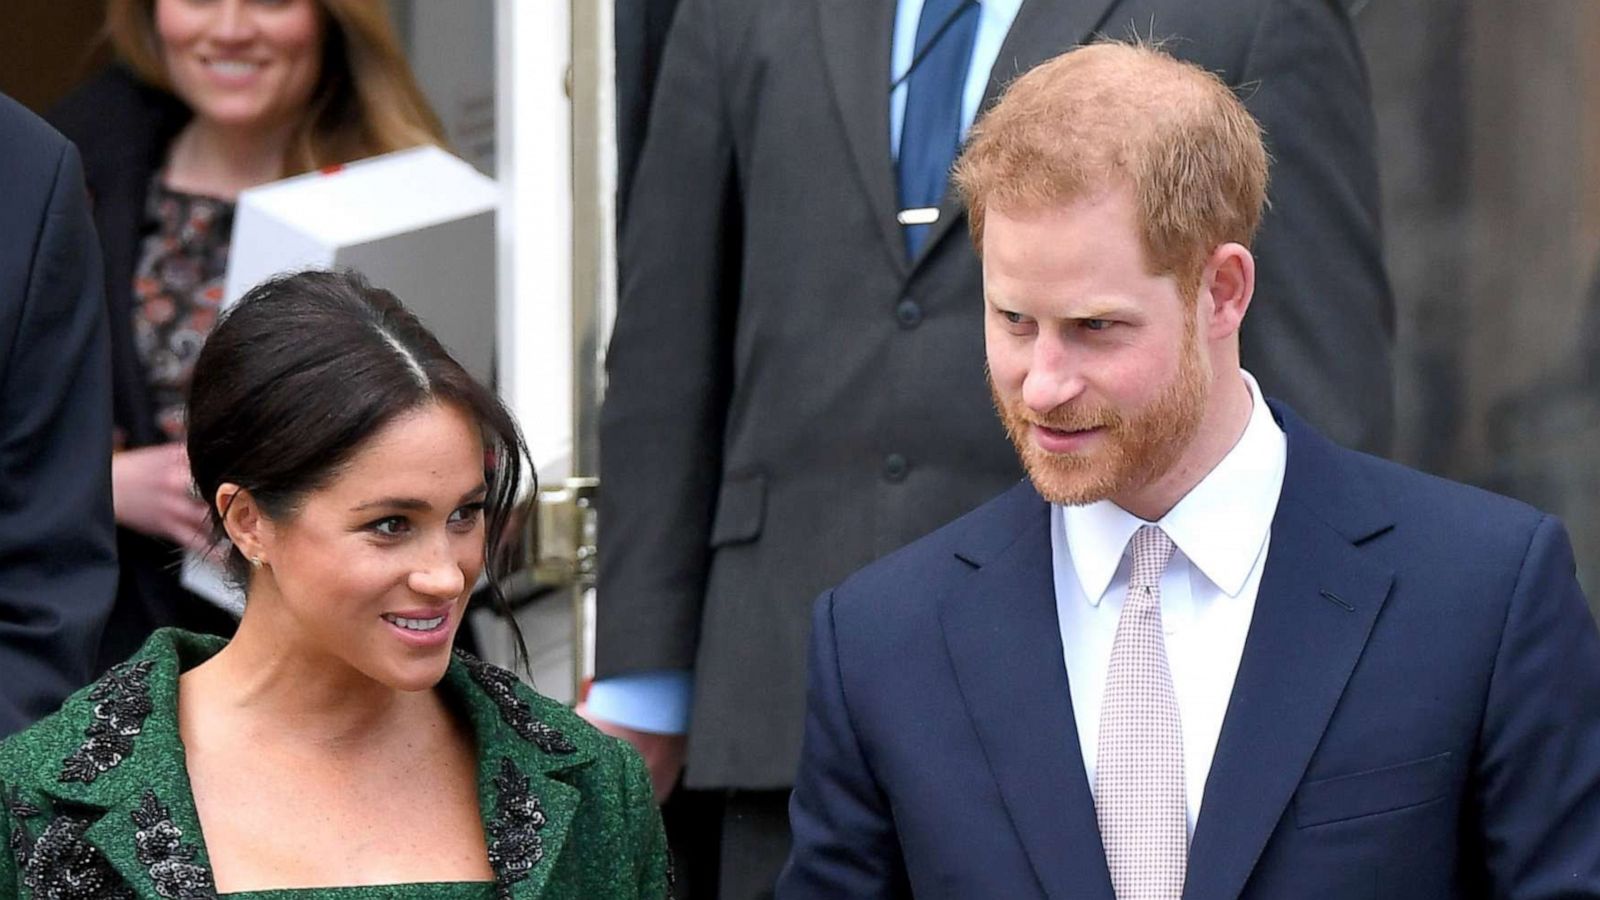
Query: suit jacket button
908 313
895 467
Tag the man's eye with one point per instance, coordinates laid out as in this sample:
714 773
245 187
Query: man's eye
1096 324
1014 318
393 526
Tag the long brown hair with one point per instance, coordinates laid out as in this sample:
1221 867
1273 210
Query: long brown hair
366 101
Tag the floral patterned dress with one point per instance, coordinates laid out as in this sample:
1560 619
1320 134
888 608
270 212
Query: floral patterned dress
177 293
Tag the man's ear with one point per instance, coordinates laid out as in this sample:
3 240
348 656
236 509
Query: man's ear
1229 281
248 527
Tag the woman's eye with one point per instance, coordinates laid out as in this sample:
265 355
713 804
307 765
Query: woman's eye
393 526
467 515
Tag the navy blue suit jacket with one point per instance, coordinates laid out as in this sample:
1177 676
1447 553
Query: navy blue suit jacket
58 565
1416 713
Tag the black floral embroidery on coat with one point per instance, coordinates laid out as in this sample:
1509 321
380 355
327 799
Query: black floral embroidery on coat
61 865
501 686
20 810
515 846
171 863
122 702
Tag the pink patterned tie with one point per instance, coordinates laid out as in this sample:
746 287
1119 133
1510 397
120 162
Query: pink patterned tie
1138 779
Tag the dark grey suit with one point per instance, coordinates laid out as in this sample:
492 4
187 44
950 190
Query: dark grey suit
790 398
58 570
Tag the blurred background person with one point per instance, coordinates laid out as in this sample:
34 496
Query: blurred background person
206 99
58 567
796 374
362 478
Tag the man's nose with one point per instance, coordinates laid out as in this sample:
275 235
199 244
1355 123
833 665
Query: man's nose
1055 375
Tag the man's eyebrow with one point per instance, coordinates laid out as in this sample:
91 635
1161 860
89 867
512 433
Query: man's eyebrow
414 504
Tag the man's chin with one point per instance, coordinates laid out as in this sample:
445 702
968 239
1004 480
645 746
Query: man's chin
1079 484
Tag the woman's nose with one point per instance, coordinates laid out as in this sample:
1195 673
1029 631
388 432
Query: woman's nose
439 575
233 22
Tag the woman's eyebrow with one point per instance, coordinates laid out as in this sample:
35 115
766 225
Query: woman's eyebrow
415 504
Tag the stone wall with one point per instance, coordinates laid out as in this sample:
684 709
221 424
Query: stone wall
1489 129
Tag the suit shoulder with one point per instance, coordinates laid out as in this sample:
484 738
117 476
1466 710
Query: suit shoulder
1427 526
906 574
25 132
1474 516
33 149
1426 518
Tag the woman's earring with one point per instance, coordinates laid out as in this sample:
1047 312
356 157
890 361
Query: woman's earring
255 562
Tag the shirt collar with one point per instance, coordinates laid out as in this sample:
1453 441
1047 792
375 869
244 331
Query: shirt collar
1220 526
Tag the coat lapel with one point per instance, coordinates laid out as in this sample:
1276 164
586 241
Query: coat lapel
526 803
120 802
856 35
1001 631
527 819
1316 606
1042 29
154 843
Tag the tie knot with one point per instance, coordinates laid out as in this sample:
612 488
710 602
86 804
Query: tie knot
1151 551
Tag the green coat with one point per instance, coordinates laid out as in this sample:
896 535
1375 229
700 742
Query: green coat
95 800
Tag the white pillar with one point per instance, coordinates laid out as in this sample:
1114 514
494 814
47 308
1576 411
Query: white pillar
533 151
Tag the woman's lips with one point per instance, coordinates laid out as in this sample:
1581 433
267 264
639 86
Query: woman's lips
232 72
420 628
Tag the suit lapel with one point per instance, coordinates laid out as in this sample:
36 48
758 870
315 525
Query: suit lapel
1316 606
856 35
1002 634
1042 29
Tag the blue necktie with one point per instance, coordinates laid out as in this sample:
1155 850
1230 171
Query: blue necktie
931 132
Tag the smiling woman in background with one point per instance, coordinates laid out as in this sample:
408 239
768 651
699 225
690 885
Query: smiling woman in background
363 478
209 97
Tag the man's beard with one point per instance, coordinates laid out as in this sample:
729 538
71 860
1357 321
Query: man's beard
1135 448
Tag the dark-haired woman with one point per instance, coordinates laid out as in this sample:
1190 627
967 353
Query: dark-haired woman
335 747
207 98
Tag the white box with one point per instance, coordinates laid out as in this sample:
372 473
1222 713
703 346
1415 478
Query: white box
419 222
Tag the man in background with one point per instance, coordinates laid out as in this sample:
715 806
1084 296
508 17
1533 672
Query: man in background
796 375
58 571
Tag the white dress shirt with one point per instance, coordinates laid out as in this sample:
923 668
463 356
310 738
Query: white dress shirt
1208 592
